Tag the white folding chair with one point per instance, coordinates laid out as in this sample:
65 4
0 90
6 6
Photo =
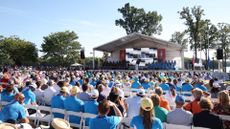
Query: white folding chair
34 115
45 115
199 128
225 117
77 114
174 126
58 110
87 115
125 123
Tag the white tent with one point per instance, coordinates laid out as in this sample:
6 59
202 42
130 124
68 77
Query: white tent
76 64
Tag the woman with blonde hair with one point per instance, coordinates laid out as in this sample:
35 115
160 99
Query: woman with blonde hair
223 107
146 118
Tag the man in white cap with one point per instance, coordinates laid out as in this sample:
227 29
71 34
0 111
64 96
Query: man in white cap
91 105
134 103
72 103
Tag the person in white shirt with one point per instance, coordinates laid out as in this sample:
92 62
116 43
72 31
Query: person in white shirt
39 93
49 92
179 115
134 103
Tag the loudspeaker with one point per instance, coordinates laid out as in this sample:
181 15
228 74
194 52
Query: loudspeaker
82 54
219 54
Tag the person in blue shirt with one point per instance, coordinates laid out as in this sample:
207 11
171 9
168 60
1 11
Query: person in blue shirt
58 101
30 97
163 85
91 105
201 86
14 112
145 84
146 118
186 87
8 93
136 84
102 121
72 103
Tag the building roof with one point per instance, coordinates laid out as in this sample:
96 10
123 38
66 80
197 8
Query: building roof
137 40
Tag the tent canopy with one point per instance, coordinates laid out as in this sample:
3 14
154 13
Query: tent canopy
75 64
137 40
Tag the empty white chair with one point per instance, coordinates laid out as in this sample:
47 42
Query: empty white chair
200 128
45 115
77 114
58 110
87 115
225 117
174 126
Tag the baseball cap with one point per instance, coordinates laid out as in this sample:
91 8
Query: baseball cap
180 99
141 92
94 93
64 89
146 104
33 85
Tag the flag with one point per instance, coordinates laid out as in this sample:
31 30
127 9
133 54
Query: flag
193 60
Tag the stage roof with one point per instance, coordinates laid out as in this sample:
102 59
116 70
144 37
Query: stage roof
137 40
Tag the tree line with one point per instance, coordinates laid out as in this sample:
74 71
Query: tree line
63 49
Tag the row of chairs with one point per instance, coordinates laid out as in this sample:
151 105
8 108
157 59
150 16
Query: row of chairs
44 114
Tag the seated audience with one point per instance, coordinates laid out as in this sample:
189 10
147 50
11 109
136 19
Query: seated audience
206 118
15 112
194 106
146 118
102 121
160 112
179 115
223 107
84 96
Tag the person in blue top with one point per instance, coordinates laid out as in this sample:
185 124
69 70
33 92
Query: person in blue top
186 87
14 112
201 86
146 118
91 105
72 103
9 93
102 121
30 97
145 84
136 84
163 85
58 101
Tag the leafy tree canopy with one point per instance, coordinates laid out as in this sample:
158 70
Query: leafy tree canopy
61 48
137 20
14 50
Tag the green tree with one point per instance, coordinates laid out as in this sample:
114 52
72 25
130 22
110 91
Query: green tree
179 38
193 20
14 50
137 20
209 36
61 48
224 39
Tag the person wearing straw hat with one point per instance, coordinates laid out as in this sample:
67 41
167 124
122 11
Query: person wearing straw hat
102 121
58 101
146 118
15 111
58 123
8 126
72 103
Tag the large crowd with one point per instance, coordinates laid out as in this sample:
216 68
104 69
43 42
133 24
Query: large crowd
131 99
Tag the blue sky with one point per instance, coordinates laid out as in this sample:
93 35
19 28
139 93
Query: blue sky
94 20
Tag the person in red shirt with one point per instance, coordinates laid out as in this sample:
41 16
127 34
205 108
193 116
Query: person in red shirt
163 102
194 106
